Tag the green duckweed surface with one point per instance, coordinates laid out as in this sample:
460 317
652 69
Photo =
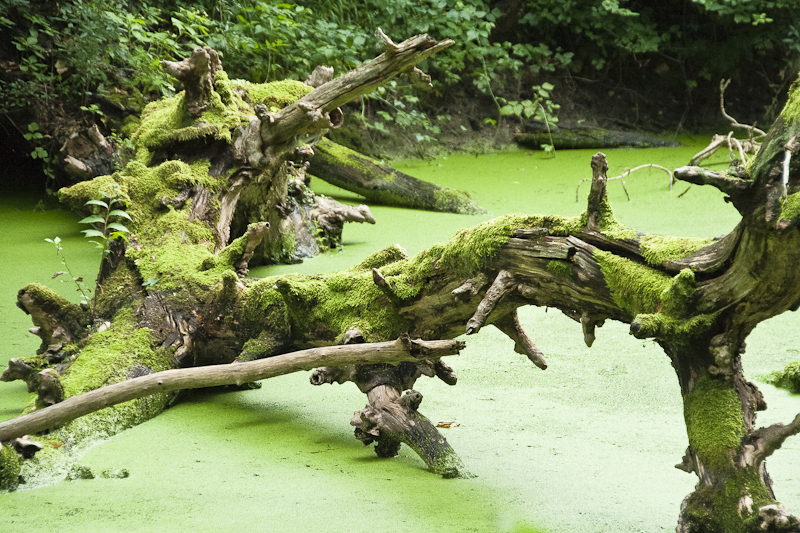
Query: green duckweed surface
586 446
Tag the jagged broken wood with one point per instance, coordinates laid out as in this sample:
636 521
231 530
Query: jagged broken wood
385 353
391 418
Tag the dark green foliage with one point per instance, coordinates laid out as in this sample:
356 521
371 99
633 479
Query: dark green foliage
684 46
109 51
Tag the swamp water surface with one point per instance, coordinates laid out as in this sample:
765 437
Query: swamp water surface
586 446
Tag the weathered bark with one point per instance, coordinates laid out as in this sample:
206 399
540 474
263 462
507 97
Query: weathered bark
196 73
390 419
384 353
380 183
213 188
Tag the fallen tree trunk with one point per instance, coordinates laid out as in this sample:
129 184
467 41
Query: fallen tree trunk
174 298
391 353
218 182
537 136
354 172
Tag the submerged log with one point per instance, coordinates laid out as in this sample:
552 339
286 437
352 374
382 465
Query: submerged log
585 137
354 172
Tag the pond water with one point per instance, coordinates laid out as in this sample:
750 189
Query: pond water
586 446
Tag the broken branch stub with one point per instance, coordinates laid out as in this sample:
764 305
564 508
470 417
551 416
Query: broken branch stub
310 115
196 72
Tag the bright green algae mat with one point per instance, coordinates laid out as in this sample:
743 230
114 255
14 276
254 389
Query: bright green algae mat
586 446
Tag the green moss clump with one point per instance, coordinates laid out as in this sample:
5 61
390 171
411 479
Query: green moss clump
788 378
110 355
77 195
657 249
119 289
324 306
167 121
275 95
715 508
713 414
677 298
130 126
469 249
265 310
634 287
791 110
265 345
677 330
381 258
453 201
9 467
791 207
561 268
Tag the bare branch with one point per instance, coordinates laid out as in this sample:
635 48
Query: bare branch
502 285
625 174
766 440
523 344
723 84
391 352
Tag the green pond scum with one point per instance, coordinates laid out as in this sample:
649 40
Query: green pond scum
587 445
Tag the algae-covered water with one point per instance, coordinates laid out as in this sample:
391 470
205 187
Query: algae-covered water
586 446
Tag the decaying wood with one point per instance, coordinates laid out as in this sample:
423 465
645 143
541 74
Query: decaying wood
193 307
509 324
699 305
391 418
197 75
389 353
354 172
309 116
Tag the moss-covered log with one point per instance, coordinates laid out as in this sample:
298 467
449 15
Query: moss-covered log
174 298
536 136
380 183
218 182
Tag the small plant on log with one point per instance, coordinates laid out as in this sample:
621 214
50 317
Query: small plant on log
104 226
86 294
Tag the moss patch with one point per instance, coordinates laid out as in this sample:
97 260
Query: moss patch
167 121
469 249
332 304
634 287
713 414
381 258
791 207
275 95
561 268
9 467
657 249
110 355
788 378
